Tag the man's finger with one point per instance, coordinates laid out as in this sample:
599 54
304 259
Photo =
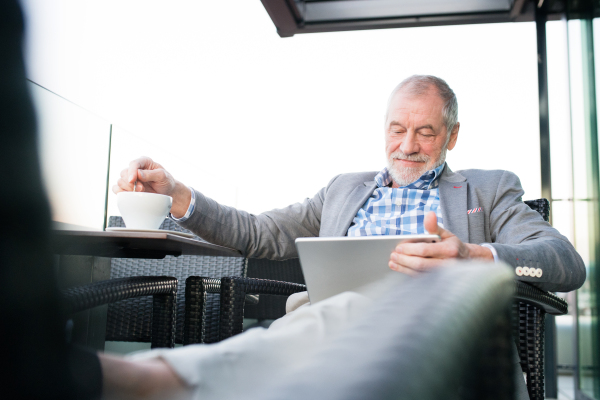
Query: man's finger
147 175
137 164
399 268
116 189
418 264
432 226
428 250
446 249
125 185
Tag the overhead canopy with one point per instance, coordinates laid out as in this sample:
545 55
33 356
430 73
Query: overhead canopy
307 16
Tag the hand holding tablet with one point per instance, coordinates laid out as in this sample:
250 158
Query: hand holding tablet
413 258
333 265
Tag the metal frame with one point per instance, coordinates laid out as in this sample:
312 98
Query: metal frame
296 16
107 180
546 175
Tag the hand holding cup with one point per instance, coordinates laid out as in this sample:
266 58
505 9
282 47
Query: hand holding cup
151 177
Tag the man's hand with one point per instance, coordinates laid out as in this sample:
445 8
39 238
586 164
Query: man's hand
151 177
413 258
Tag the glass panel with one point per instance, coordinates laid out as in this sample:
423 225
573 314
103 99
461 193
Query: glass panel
562 218
577 111
586 313
74 146
583 80
560 117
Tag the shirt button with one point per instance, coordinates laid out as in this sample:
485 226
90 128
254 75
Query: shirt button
526 271
519 271
538 272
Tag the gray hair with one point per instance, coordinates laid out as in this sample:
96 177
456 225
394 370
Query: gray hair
417 85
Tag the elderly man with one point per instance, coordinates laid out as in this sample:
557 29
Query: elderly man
478 214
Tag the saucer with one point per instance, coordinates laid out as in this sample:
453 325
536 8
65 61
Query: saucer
118 229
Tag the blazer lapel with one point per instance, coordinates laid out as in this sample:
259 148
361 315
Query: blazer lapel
453 198
353 203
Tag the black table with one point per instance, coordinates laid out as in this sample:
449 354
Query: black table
124 244
83 257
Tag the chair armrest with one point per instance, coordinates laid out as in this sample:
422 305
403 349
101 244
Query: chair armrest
105 292
260 286
162 288
546 301
235 291
233 297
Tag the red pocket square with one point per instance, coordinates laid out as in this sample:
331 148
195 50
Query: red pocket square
474 210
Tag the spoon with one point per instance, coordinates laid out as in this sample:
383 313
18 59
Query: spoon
134 185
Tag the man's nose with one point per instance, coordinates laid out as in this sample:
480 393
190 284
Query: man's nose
409 144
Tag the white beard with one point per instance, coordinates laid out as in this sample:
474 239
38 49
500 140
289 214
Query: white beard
404 176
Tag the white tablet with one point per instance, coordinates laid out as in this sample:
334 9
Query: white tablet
333 265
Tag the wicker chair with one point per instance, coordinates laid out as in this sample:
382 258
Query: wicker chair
529 308
163 290
234 291
131 320
271 306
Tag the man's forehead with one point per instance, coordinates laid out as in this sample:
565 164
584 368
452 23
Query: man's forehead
406 97
416 105
428 102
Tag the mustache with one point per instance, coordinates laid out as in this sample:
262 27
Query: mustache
399 155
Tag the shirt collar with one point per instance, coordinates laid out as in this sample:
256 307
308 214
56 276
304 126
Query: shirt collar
429 180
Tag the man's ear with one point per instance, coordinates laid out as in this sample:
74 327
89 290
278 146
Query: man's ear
453 136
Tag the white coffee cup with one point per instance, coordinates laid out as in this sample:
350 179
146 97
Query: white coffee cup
141 210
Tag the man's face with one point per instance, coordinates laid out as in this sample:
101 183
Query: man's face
416 137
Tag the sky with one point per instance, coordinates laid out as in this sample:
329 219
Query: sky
258 122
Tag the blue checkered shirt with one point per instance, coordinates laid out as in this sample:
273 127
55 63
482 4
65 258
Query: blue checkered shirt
399 211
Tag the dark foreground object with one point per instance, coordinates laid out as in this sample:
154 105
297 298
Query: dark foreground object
36 362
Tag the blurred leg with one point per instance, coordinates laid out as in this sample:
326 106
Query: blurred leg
144 379
259 357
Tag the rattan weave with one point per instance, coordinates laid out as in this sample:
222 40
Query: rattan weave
233 296
547 301
163 290
272 306
130 320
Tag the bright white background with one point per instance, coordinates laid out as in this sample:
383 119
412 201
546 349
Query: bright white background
256 121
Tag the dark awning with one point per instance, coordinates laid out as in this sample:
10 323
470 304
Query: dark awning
307 16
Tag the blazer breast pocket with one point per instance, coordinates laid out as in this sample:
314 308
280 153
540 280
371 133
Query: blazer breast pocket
476 227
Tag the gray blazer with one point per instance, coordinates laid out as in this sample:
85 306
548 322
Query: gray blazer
519 235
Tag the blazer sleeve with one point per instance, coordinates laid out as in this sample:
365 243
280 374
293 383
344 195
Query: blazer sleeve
271 234
523 239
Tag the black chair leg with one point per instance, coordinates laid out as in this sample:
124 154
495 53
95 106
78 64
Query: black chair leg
535 352
233 298
195 302
163 321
